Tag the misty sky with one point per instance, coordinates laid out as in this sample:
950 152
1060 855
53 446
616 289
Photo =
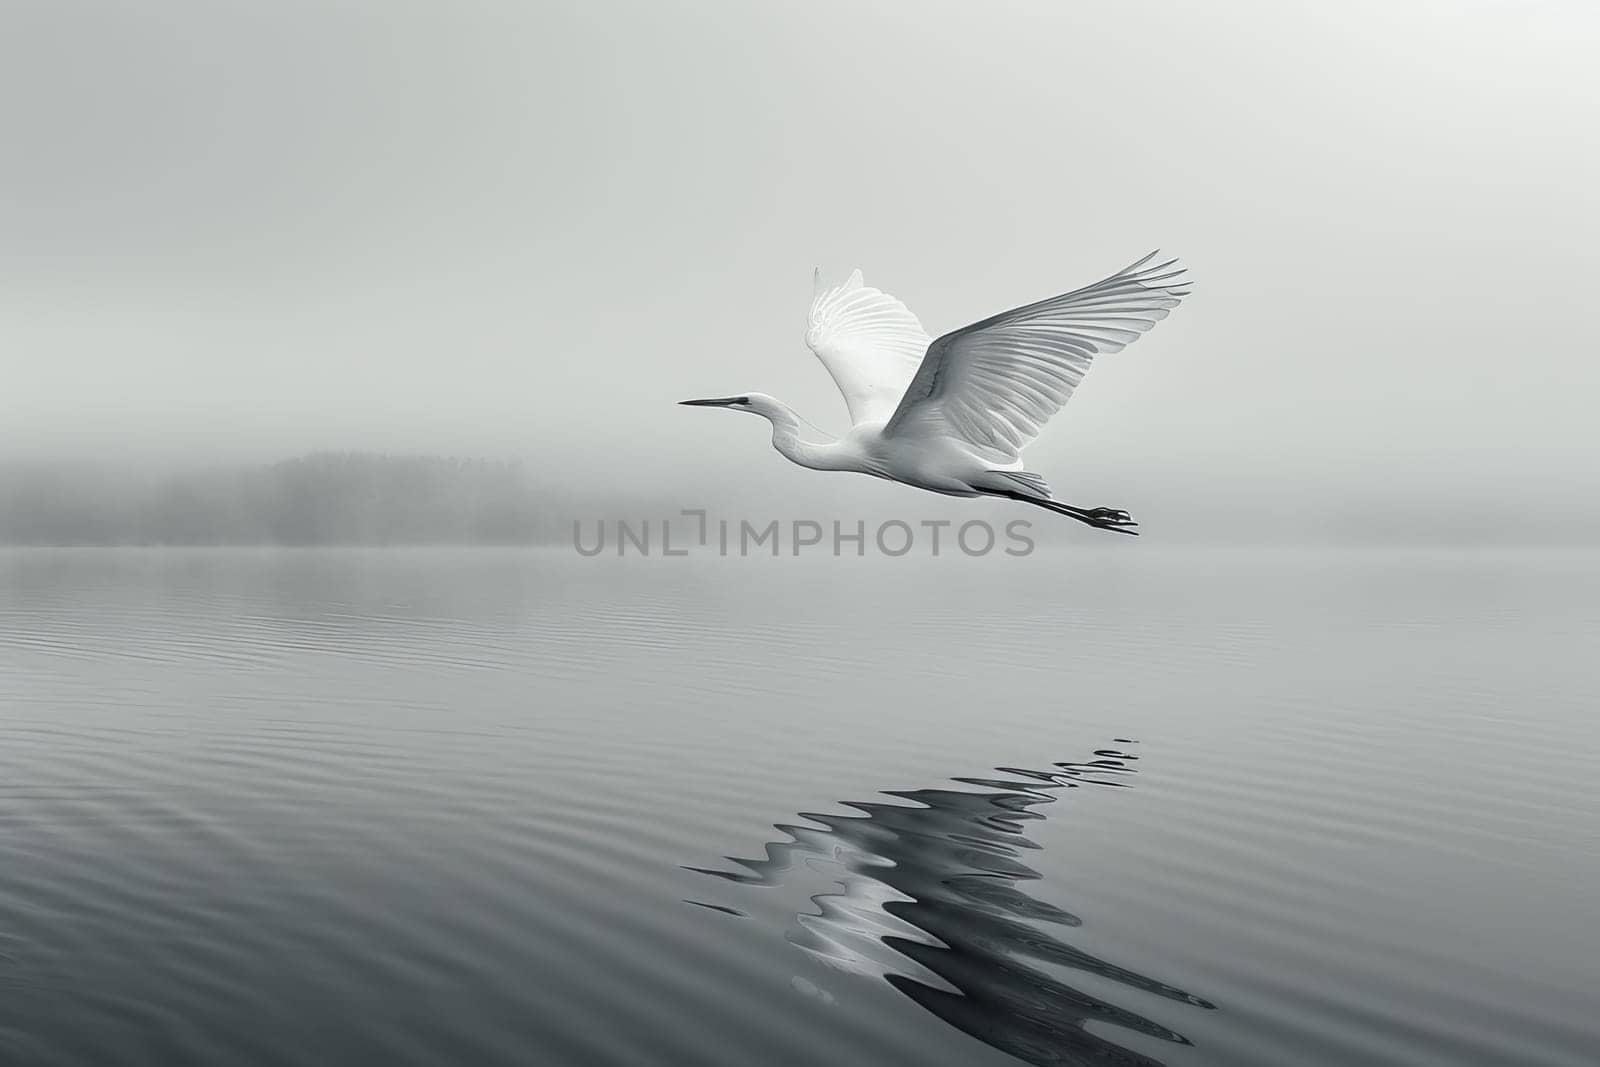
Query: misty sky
235 229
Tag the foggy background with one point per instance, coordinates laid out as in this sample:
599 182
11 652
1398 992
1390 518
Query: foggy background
232 234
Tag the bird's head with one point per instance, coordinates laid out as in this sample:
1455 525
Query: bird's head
759 403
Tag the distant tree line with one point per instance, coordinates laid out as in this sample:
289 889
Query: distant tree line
327 498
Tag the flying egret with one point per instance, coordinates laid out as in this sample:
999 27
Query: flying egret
952 416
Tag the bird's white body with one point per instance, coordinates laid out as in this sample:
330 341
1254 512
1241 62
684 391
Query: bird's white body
951 415
938 464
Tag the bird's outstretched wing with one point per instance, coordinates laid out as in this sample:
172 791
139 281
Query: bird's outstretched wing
869 341
995 383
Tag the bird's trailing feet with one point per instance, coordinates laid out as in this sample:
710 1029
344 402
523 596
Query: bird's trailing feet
1111 516
1114 519
1105 519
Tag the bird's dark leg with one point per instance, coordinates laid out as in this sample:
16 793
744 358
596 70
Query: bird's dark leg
1113 519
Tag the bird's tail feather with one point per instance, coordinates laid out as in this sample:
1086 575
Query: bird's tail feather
1025 482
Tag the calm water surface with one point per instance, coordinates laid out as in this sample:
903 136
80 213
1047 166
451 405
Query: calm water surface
1122 805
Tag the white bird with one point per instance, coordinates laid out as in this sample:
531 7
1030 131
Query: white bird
952 416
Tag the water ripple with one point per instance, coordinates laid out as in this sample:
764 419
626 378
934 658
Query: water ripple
417 808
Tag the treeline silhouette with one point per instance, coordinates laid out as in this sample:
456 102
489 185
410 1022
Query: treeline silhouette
326 498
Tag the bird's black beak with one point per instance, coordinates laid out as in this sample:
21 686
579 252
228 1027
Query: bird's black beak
715 402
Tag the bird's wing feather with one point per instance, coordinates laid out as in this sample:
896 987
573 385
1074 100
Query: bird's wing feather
870 343
995 383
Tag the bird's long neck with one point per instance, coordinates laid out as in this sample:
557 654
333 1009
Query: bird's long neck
786 430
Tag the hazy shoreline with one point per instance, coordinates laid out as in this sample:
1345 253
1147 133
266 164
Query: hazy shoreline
324 498
367 499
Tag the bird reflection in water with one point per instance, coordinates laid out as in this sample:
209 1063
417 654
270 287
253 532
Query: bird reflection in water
929 899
